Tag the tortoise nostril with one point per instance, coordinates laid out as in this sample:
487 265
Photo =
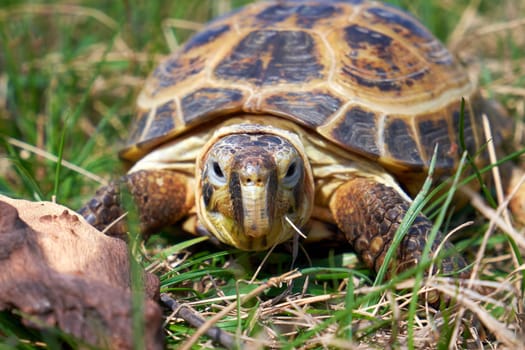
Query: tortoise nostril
250 180
254 171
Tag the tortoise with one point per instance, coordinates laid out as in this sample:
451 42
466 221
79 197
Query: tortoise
321 116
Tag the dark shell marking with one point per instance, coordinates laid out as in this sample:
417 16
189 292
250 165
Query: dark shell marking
401 142
312 108
305 15
206 36
207 101
403 23
358 128
164 122
175 70
438 133
375 60
269 57
367 76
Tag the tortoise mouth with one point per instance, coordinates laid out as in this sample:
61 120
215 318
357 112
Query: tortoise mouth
251 185
229 232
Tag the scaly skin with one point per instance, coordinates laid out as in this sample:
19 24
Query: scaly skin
369 213
104 209
162 198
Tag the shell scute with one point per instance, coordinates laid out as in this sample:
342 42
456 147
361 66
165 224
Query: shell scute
308 16
138 127
312 108
206 36
300 15
411 32
401 142
434 131
358 127
399 22
164 122
276 13
374 62
175 70
266 57
204 102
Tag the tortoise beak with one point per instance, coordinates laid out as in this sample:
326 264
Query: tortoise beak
258 188
257 222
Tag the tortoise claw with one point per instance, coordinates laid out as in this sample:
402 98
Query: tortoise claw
104 211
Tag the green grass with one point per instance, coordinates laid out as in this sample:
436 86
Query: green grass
69 76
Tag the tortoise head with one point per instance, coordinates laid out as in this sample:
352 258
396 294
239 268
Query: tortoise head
251 186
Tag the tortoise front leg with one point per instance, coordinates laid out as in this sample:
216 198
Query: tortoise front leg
369 213
162 197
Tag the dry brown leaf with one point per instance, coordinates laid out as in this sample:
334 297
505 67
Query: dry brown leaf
58 271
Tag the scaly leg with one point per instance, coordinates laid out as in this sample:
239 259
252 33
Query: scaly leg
369 214
162 197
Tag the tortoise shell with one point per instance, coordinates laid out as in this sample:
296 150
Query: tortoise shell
365 75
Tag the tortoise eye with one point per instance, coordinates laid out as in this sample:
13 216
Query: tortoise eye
215 173
291 170
217 170
293 174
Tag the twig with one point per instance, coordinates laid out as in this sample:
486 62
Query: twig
187 314
495 170
497 328
275 281
479 204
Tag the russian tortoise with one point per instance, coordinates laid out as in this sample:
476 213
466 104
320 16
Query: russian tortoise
291 113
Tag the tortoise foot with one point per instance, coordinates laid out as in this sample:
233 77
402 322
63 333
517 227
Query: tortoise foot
161 197
104 211
369 213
